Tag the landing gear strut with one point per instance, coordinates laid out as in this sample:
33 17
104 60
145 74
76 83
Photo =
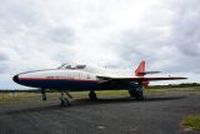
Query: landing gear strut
44 97
93 95
64 101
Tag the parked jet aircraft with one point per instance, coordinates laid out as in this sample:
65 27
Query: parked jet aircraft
79 78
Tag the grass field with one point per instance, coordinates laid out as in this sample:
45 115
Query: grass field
13 97
192 121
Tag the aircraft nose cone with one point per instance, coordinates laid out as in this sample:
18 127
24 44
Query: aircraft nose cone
16 78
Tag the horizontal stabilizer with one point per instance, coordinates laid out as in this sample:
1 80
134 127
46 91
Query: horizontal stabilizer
148 72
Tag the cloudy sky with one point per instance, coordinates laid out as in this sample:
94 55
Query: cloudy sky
37 34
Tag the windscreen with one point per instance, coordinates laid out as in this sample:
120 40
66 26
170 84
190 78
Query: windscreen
68 66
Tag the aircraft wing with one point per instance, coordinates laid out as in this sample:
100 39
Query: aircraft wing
136 79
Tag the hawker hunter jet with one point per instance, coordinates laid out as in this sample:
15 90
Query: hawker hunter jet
80 78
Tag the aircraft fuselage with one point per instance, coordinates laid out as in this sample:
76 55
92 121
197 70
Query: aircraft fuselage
71 80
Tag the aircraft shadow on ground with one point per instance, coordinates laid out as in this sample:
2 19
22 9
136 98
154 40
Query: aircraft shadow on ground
86 102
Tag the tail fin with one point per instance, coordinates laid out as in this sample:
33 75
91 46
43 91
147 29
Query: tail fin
140 71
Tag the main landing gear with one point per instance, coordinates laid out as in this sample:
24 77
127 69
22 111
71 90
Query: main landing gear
64 101
93 95
137 93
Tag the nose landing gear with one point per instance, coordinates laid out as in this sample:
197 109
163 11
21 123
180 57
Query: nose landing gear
64 101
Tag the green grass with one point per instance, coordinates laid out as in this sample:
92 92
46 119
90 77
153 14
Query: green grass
6 98
164 90
10 98
192 121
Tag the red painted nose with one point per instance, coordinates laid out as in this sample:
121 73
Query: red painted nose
16 78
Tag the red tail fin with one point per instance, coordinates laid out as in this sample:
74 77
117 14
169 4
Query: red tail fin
140 71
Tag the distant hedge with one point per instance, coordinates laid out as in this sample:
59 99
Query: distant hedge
182 85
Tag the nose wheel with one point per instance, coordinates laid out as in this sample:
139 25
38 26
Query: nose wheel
64 101
93 95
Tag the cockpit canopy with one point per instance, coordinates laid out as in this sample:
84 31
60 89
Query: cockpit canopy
68 66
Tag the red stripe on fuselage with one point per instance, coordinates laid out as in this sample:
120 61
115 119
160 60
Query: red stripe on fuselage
58 79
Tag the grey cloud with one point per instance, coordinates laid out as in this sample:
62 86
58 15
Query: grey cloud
135 46
60 35
3 68
186 34
186 27
3 63
16 15
64 56
3 57
179 52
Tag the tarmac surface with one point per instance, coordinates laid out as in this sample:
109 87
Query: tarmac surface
158 114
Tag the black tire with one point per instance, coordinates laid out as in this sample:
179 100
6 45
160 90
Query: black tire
67 102
132 93
93 96
62 103
139 95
